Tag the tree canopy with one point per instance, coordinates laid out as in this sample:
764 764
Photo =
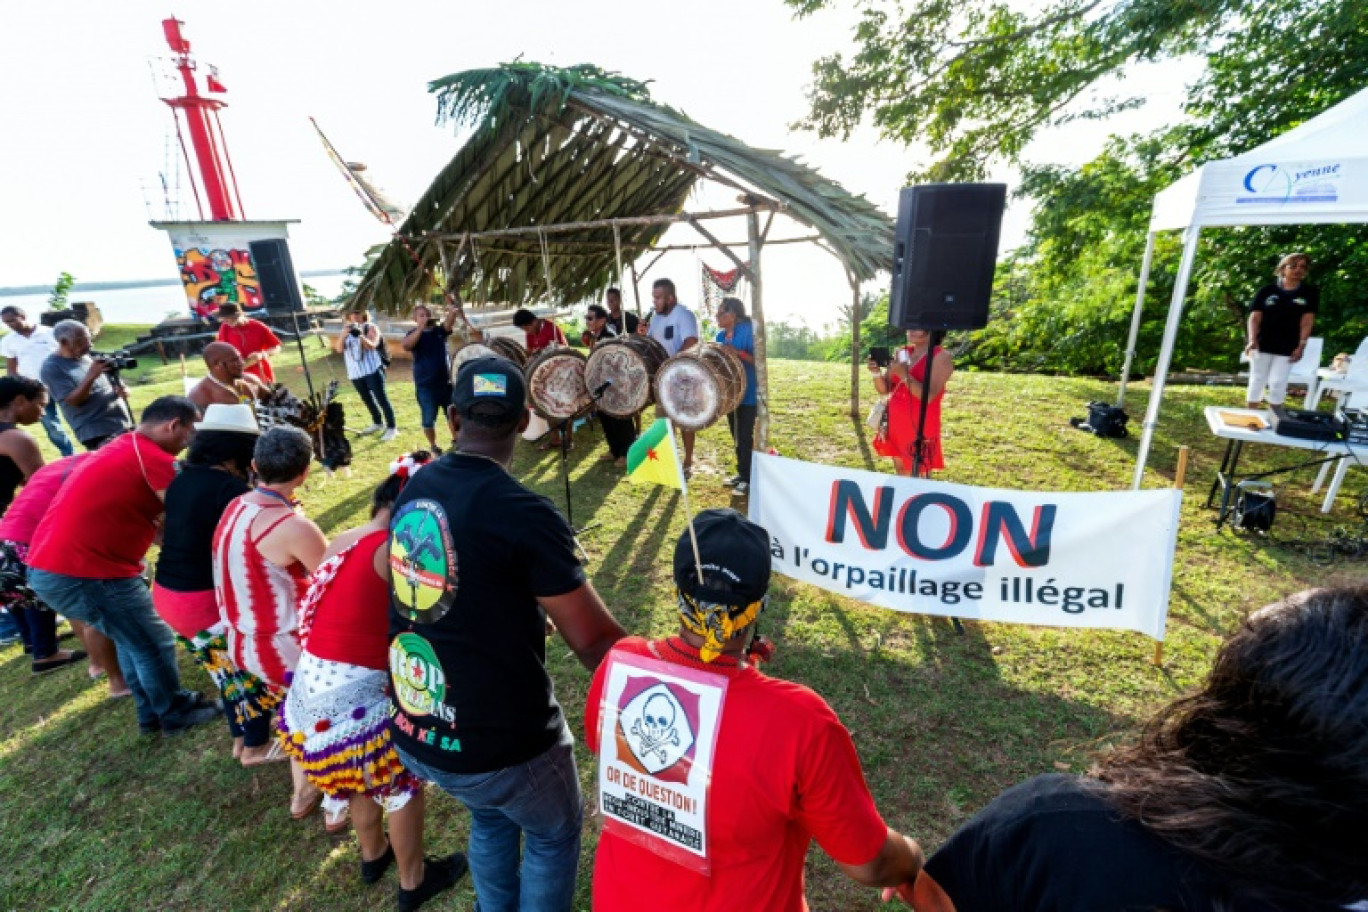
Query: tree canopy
977 80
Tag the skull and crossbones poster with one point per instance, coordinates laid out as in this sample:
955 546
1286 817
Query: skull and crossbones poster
657 738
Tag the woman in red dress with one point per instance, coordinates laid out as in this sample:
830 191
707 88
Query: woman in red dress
903 383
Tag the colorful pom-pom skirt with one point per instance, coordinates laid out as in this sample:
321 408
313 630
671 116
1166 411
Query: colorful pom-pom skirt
248 697
336 724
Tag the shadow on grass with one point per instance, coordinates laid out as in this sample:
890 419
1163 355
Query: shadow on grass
866 454
911 723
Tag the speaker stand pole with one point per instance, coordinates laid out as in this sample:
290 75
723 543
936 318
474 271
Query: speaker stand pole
921 462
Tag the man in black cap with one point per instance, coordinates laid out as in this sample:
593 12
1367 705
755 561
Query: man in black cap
780 771
478 562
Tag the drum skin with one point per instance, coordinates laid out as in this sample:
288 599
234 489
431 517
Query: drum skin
631 363
555 383
469 352
690 391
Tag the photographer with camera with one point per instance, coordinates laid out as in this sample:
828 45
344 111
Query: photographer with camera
359 343
87 388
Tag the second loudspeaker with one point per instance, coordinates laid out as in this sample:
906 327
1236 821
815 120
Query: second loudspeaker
945 254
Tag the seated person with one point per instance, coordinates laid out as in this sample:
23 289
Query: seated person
228 382
783 769
1251 794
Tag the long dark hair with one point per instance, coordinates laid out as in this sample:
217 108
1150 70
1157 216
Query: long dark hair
1263 774
734 307
216 448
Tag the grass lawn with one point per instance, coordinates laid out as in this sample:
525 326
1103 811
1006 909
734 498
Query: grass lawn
95 817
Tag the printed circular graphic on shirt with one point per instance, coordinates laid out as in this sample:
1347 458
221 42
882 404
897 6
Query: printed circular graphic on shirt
423 569
419 684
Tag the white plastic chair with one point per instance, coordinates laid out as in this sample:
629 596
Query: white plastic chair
1304 370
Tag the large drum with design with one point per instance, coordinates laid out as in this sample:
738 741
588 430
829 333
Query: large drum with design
631 364
693 391
507 347
555 383
469 353
727 364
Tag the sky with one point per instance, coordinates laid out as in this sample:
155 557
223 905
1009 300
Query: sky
83 134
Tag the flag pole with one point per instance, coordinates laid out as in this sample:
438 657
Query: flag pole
688 511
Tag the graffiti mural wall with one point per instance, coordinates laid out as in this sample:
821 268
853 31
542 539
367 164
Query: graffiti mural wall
214 262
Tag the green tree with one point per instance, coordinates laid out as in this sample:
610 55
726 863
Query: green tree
61 290
976 80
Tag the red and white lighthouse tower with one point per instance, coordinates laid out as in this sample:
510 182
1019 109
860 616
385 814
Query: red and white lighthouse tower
200 116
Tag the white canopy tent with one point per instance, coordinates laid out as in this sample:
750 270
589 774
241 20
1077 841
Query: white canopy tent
1316 173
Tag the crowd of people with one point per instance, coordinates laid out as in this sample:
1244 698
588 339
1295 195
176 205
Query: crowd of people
412 649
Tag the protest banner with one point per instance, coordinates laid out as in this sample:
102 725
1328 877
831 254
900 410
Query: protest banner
1096 559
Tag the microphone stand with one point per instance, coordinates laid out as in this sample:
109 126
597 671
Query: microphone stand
564 427
921 458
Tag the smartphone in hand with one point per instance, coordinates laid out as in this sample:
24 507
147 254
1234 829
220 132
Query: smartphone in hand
880 355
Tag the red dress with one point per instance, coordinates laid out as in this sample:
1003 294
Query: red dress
250 338
900 436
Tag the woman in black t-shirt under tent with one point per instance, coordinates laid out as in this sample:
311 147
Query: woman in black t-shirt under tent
1280 320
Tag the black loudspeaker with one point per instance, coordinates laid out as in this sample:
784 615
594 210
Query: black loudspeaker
275 272
944 255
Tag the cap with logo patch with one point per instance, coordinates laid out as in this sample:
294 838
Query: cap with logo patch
493 384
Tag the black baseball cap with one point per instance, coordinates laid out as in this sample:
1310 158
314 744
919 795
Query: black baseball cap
735 555
494 384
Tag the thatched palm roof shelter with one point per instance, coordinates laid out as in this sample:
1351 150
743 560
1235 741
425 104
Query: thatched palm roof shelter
570 174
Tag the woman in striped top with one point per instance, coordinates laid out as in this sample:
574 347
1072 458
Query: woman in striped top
264 551
359 344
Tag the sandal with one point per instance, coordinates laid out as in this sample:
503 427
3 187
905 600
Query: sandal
274 754
339 824
314 803
58 661
120 694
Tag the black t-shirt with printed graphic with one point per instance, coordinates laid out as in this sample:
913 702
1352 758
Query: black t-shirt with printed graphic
1280 326
471 550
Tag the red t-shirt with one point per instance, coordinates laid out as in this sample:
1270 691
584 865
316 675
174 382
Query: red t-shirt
549 333
252 336
103 519
350 620
785 773
27 510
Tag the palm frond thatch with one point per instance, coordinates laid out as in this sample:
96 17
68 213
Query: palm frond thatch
555 145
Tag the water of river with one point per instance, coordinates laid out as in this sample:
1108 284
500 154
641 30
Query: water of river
148 304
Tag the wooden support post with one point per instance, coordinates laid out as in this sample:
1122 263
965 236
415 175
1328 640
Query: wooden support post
854 347
758 317
1179 477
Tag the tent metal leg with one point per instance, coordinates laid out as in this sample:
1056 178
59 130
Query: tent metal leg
1135 319
1175 317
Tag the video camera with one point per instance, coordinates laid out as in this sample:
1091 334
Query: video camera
116 361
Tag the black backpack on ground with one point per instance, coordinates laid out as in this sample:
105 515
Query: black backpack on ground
1103 420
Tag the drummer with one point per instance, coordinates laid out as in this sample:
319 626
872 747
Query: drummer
620 433
615 315
541 334
735 332
675 327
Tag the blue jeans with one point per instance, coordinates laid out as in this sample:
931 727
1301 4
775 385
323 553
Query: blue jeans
55 432
432 400
121 609
537 802
371 389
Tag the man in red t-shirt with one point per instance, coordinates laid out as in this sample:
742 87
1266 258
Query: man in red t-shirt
86 559
783 769
252 338
540 333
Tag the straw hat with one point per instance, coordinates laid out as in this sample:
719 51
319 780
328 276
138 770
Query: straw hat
236 418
